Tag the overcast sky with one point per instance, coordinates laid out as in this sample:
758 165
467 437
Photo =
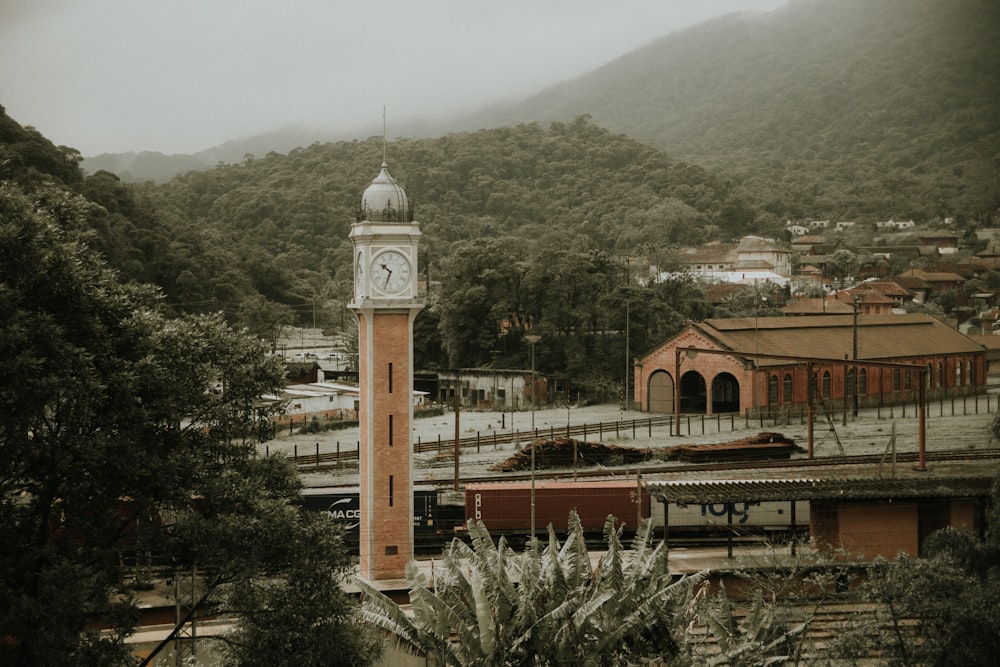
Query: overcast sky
179 76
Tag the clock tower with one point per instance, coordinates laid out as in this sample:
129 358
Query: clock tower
385 301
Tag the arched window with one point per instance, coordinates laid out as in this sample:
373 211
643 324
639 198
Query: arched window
896 379
908 380
826 385
772 390
969 374
940 374
788 388
863 382
958 373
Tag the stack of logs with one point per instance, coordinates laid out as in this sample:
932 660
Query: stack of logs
763 446
564 452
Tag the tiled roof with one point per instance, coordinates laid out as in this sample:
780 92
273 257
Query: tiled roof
747 264
867 296
913 284
758 244
817 306
718 253
886 287
880 337
933 277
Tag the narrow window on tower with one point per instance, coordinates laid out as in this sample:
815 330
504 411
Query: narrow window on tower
390 378
390 490
390 430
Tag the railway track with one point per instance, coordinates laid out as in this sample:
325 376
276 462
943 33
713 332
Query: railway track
864 459
805 464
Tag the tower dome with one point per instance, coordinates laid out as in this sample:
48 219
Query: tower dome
384 200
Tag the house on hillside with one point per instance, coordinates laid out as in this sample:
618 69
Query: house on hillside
756 251
804 245
946 242
936 282
899 295
753 256
728 374
895 224
868 302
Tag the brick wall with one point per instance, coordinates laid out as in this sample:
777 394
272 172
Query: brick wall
386 542
866 529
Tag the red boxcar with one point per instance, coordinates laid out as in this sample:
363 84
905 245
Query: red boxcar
506 506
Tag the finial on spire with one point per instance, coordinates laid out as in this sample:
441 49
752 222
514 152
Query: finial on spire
383 134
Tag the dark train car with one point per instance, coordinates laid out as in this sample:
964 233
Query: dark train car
343 504
506 506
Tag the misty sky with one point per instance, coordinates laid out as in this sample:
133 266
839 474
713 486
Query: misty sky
179 76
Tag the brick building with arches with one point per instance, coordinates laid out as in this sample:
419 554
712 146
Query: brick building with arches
735 378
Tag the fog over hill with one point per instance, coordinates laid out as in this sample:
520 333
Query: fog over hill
809 107
818 101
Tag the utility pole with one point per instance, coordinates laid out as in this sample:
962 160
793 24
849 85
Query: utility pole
533 338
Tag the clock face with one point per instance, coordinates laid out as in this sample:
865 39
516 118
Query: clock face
390 272
360 277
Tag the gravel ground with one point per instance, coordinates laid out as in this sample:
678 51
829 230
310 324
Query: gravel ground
949 426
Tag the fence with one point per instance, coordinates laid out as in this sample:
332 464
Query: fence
690 424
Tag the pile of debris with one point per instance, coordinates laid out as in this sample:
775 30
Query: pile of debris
562 452
763 446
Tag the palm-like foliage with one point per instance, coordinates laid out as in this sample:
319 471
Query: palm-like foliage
547 606
758 638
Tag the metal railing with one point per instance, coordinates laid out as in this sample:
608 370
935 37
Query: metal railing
690 424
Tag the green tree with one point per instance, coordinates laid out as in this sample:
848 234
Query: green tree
544 607
842 265
943 609
265 319
480 295
128 438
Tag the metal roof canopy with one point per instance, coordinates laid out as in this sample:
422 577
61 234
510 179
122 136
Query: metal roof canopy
699 492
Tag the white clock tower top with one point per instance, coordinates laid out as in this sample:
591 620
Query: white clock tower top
385 239
384 200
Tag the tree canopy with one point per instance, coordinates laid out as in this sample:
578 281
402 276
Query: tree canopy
128 442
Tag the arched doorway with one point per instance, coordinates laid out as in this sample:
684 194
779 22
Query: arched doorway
660 391
725 393
693 394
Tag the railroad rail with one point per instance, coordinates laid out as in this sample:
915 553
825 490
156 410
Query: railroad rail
591 473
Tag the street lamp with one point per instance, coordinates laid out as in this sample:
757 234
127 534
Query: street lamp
628 362
856 297
532 339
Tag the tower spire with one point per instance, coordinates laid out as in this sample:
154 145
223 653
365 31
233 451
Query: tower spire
383 134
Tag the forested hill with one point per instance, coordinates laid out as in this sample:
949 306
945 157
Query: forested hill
843 109
563 185
527 224
277 227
